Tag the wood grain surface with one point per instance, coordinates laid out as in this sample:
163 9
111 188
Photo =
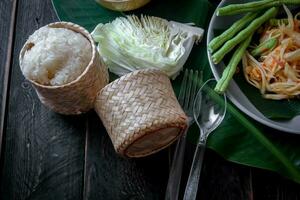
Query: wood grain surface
220 179
44 151
109 176
7 19
50 156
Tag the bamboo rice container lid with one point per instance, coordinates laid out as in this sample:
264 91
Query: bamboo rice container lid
141 113
79 95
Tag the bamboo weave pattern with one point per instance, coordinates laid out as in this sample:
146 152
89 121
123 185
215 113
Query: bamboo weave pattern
140 113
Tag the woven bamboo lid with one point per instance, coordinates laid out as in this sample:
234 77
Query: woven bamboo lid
79 95
140 113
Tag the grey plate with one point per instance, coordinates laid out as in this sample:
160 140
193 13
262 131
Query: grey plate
234 93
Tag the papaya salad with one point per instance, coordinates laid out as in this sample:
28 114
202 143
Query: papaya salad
268 47
274 65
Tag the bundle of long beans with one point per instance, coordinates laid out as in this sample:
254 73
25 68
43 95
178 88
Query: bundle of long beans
241 32
253 6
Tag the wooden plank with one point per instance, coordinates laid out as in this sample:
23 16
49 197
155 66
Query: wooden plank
219 178
7 18
44 151
108 176
224 180
269 186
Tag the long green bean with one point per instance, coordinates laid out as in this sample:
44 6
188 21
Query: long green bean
231 68
249 30
230 32
277 22
264 47
253 6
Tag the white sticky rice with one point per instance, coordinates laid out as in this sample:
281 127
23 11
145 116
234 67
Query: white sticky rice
57 56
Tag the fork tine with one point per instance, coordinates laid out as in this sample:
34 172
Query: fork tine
183 88
200 79
188 90
193 91
199 83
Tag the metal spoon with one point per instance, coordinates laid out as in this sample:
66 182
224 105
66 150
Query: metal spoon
209 112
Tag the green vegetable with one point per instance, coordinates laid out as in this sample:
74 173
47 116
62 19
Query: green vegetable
277 22
231 68
249 30
230 32
253 6
131 43
264 47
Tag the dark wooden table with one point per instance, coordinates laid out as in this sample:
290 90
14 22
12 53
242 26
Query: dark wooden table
45 155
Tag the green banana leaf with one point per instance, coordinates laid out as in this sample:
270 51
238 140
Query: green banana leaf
237 139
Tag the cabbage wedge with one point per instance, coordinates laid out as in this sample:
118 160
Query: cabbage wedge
131 43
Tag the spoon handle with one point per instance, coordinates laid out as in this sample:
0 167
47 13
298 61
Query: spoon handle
191 188
173 186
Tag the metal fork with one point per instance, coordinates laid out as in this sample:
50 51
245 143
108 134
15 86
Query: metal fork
186 98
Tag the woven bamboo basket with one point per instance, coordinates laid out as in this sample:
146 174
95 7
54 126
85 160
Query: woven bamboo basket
140 113
139 110
79 95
